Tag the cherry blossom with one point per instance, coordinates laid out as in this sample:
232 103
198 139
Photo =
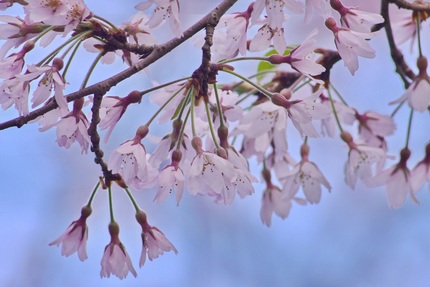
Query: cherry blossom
15 92
171 177
244 179
300 57
212 175
74 239
13 64
322 7
417 93
397 181
155 243
275 10
265 36
115 259
74 128
166 9
130 159
421 172
362 161
355 19
350 44
112 109
307 175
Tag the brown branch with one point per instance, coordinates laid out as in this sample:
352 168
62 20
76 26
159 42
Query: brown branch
415 6
401 67
103 86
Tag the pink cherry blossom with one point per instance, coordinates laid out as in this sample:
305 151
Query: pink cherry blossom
13 64
397 181
130 159
307 175
355 19
165 9
244 179
15 92
74 239
155 243
417 93
112 109
265 36
350 44
363 161
74 128
275 10
115 259
212 175
421 172
322 7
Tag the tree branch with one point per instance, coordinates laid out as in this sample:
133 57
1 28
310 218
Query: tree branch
401 67
415 6
103 86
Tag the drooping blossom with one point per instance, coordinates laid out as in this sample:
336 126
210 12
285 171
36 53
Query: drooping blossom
417 94
51 80
300 57
374 125
112 109
306 175
234 40
275 10
350 44
165 9
171 178
273 201
421 172
355 19
74 239
211 174
115 259
154 242
13 64
243 183
74 128
267 35
397 181
130 160
15 92
363 161
174 94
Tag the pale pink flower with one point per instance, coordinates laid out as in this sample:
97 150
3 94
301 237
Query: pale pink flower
344 113
212 175
267 35
115 259
93 45
155 243
13 64
51 80
130 159
236 27
275 10
244 179
300 57
112 109
421 172
174 94
68 13
322 7
171 178
373 127
307 175
355 19
397 181
417 94
303 112
350 44
74 128
74 239
15 92
363 161
165 9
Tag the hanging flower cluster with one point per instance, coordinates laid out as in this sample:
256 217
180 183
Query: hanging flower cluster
217 128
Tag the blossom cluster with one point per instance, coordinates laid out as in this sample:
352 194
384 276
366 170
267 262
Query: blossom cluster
217 129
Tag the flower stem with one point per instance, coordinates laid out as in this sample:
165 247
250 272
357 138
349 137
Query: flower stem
221 116
164 105
106 21
258 87
408 134
112 219
208 114
334 111
243 59
419 37
91 69
164 85
193 124
133 201
93 194
182 132
338 95
66 68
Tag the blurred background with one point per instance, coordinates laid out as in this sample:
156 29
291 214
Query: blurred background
351 238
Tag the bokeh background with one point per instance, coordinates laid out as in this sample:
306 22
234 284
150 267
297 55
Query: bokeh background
351 238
